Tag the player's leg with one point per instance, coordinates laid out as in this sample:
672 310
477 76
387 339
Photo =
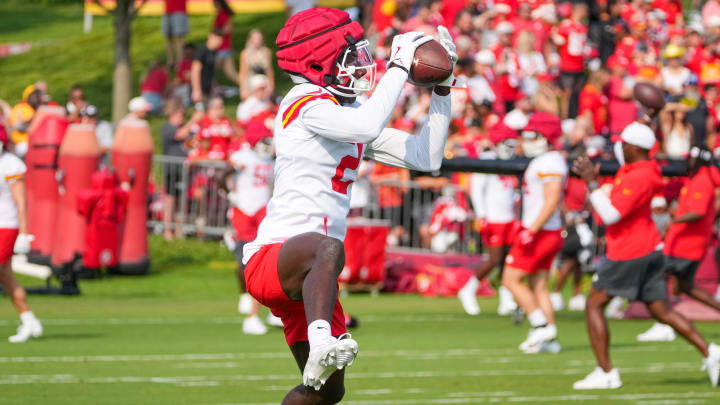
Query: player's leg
604 376
597 327
660 310
30 326
331 392
539 286
308 267
699 294
566 268
467 294
513 279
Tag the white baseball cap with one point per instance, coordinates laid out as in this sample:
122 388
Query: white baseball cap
485 57
139 104
639 135
658 202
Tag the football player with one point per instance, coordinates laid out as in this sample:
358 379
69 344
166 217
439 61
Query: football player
14 236
634 268
250 194
321 134
494 199
540 239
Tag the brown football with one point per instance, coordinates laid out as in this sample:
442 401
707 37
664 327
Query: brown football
431 65
649 95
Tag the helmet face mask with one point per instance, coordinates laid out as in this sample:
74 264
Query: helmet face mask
533 144
506 149
356 70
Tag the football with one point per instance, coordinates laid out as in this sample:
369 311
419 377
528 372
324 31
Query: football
431 65
649 95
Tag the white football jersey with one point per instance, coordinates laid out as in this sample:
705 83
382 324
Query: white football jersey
319 145
550 166
252 181
11 169
494 197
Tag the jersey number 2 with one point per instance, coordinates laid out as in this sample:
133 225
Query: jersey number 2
347 162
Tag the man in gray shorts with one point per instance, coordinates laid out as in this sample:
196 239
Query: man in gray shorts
635 266
175 27
690 233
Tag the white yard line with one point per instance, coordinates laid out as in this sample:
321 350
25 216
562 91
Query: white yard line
492 355
480 398
11 379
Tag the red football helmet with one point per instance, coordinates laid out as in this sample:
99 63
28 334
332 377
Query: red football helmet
326 48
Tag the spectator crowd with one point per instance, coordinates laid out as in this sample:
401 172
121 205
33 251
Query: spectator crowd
578 61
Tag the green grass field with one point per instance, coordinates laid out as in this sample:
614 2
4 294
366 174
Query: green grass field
174 337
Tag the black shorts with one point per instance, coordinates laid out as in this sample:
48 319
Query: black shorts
172 180
571 244
683 269
571 80
641 279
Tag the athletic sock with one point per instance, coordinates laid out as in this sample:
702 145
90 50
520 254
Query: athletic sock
552 327
713 349
537 318
318 332
27 317
472 284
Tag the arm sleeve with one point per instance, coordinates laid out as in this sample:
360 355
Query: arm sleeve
477 194
362 124
604 208
423 152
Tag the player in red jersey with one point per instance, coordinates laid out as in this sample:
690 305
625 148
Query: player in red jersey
690 233
634 268
321 134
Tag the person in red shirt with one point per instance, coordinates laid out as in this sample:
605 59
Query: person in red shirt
506 66
223 23
175 27
154 86
593 103
216 127
688 238
571 39
634 267
622 109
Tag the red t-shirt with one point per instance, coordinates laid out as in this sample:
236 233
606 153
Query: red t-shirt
689 240
593 100
575 194
507 83
221 19
572 51
219 132
183 71
621 113
635 234
175 6
155 81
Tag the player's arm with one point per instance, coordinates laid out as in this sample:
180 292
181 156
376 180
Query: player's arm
552 191
195 70
423 152
600 201
701 197
362 124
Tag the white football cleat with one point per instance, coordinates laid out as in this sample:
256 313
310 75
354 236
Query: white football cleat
507 303
712 364
577 303
245 304
273 320
325 359
614 308
657 333
468 296
26 330
537 336
552 346
252 325
599 380
556 300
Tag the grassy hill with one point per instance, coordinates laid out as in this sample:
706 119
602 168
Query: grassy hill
63 55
